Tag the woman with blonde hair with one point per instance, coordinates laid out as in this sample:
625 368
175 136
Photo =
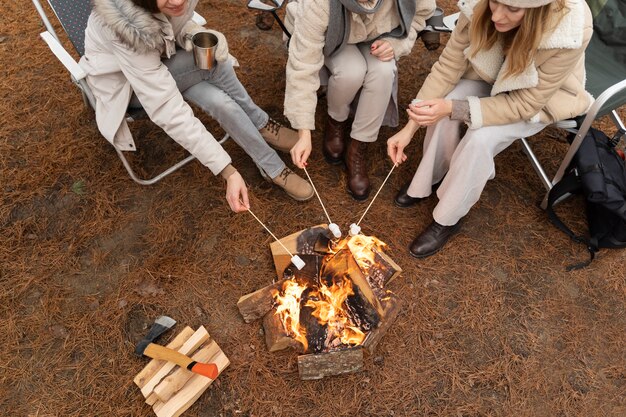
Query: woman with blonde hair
510 68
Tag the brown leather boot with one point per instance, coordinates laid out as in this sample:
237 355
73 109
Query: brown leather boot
356 167
334 140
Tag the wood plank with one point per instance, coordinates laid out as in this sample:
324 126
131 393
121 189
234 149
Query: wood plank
192 390
303 242
255 305
198 338
393 306
175 381
320 365
155 364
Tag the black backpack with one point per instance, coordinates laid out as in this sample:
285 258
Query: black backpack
599 173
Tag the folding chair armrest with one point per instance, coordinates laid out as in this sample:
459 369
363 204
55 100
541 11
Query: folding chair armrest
198 19
259 5
62 55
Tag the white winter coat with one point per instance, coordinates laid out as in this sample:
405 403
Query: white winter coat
124 45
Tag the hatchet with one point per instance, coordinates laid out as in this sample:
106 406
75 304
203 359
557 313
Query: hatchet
146 347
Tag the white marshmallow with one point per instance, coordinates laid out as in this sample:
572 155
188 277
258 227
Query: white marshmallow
354 229
297 261
335 230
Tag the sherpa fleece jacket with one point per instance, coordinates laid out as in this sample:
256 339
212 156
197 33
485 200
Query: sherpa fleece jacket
307 42
550 89
124 44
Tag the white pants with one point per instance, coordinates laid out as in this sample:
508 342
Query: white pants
467 163
353 68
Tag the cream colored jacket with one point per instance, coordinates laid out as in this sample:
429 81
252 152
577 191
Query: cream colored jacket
306 58
552 88
124 45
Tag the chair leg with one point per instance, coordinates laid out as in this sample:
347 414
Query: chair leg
156 178
163 174
536 165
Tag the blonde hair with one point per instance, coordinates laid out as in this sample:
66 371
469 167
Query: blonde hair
521 43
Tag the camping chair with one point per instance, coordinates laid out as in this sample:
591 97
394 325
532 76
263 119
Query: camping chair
605 64
435 25
73 16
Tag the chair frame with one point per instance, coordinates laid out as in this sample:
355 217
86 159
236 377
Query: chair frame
570 125
78 78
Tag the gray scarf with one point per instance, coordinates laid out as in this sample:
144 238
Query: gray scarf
339 21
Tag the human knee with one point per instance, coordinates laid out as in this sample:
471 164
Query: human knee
381 74
351 78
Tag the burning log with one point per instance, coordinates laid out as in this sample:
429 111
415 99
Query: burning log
382 272
318 366
392 307
255 305
276 336
315 332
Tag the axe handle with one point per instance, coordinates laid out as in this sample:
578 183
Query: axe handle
155 351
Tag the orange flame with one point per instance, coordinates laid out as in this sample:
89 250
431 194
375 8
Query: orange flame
328 302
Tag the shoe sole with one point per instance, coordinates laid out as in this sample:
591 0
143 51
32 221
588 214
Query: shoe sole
358 198
426 255
405 205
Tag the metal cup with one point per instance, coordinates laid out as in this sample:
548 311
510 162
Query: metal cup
431 39
204 44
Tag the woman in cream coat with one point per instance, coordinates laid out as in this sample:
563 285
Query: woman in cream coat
359 42
510 68
132 59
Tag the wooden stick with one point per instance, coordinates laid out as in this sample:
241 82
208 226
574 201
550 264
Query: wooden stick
376 195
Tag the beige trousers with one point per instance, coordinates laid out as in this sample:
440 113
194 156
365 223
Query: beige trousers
353 68
465 164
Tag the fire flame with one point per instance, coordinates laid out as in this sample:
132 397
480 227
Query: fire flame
327 299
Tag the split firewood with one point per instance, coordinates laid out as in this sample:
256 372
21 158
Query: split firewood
155 364
255 305
319 365
175 381
191 391
300 243
198 338
276 336
392 305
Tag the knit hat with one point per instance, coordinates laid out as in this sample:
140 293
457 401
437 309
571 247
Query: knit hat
525 4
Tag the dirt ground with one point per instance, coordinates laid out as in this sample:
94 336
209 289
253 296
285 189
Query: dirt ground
491 326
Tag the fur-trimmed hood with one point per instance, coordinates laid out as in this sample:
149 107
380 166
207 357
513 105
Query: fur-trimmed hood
137 28
492 63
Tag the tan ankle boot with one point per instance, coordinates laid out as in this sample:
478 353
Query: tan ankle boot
278 136
295 186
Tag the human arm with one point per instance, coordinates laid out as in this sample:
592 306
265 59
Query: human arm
403 46
156 89
236 191
398 142
304 63
302 149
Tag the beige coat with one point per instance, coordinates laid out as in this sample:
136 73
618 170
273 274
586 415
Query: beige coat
307 42
552 88
124 45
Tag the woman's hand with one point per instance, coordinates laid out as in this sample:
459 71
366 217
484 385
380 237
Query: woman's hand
237 193
399 141
429 112
382 50
302 149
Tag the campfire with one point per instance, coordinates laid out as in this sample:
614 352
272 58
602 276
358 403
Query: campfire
333 308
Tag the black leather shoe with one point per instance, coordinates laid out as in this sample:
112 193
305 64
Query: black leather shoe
404 200
432 239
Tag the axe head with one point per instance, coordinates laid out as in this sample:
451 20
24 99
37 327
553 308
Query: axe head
160 326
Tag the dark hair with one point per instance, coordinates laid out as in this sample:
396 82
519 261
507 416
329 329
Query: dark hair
149 5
